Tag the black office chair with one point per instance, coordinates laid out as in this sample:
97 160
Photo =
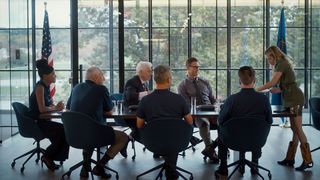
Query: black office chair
237 135
121 122
27 128
166 136
82 132
315 113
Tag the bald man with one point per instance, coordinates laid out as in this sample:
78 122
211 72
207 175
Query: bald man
92 98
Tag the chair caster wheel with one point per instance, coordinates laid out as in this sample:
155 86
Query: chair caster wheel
37 161
13 164
193 149
269 175
69 174
191 177
133 158
22 169
117 176
61 163
204 158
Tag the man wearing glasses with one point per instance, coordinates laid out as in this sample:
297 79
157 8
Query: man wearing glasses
195 86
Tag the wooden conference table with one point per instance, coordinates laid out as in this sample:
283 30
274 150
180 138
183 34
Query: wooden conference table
276 112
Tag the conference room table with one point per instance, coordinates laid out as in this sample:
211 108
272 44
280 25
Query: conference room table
277 111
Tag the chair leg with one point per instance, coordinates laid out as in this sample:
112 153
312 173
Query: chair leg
160 173
252 164
25 154
185 171
134 149
74 167
150 170
315 149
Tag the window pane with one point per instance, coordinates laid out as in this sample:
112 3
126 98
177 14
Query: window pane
19 49
315 85
222 13
4 49
4 14
160 46
295 44
204 46
315 12
58 12
136 13
18 13
93 13
178 13
204 13
160 13
19 86
294 13
135 46
315 54
246 13
61 46
247 47
178 47
222 47
63 87
94 48
222 84
5 90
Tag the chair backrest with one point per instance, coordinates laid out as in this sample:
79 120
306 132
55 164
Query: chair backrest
26 125
166 136
244 133
83 132
116 96
315 111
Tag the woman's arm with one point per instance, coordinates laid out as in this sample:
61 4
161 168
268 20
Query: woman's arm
275 78
41 104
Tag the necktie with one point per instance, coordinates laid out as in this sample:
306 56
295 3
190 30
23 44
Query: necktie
198 93
145 87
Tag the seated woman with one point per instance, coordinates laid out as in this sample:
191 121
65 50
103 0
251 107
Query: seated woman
41 102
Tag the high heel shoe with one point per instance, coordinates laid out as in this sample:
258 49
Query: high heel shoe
286 162
49 163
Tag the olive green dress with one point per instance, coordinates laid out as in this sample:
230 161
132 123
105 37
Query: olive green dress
291 93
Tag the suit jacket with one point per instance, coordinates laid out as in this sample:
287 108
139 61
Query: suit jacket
131 91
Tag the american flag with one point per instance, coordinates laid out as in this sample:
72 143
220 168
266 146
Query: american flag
46 51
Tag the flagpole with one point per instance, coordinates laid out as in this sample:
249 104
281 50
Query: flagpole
45 5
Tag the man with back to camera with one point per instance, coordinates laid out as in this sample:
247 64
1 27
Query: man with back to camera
92 98
164 103
195 86
247 102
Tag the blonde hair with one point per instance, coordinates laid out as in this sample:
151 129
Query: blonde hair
276 53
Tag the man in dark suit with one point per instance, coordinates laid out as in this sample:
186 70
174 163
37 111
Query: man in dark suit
92 98
137 87
163 103
247 102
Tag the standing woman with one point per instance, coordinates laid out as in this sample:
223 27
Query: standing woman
40 102
293 99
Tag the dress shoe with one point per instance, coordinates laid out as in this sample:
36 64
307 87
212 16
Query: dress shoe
49 163
156 156
211 153
222 171
98 170
84 173
241 169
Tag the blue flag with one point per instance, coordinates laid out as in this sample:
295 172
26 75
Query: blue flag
276 98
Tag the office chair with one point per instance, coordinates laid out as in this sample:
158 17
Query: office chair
315 113
82 132
28 128
236 135
166 136
122 122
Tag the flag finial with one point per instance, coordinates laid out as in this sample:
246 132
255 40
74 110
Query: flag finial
282 2
45 5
